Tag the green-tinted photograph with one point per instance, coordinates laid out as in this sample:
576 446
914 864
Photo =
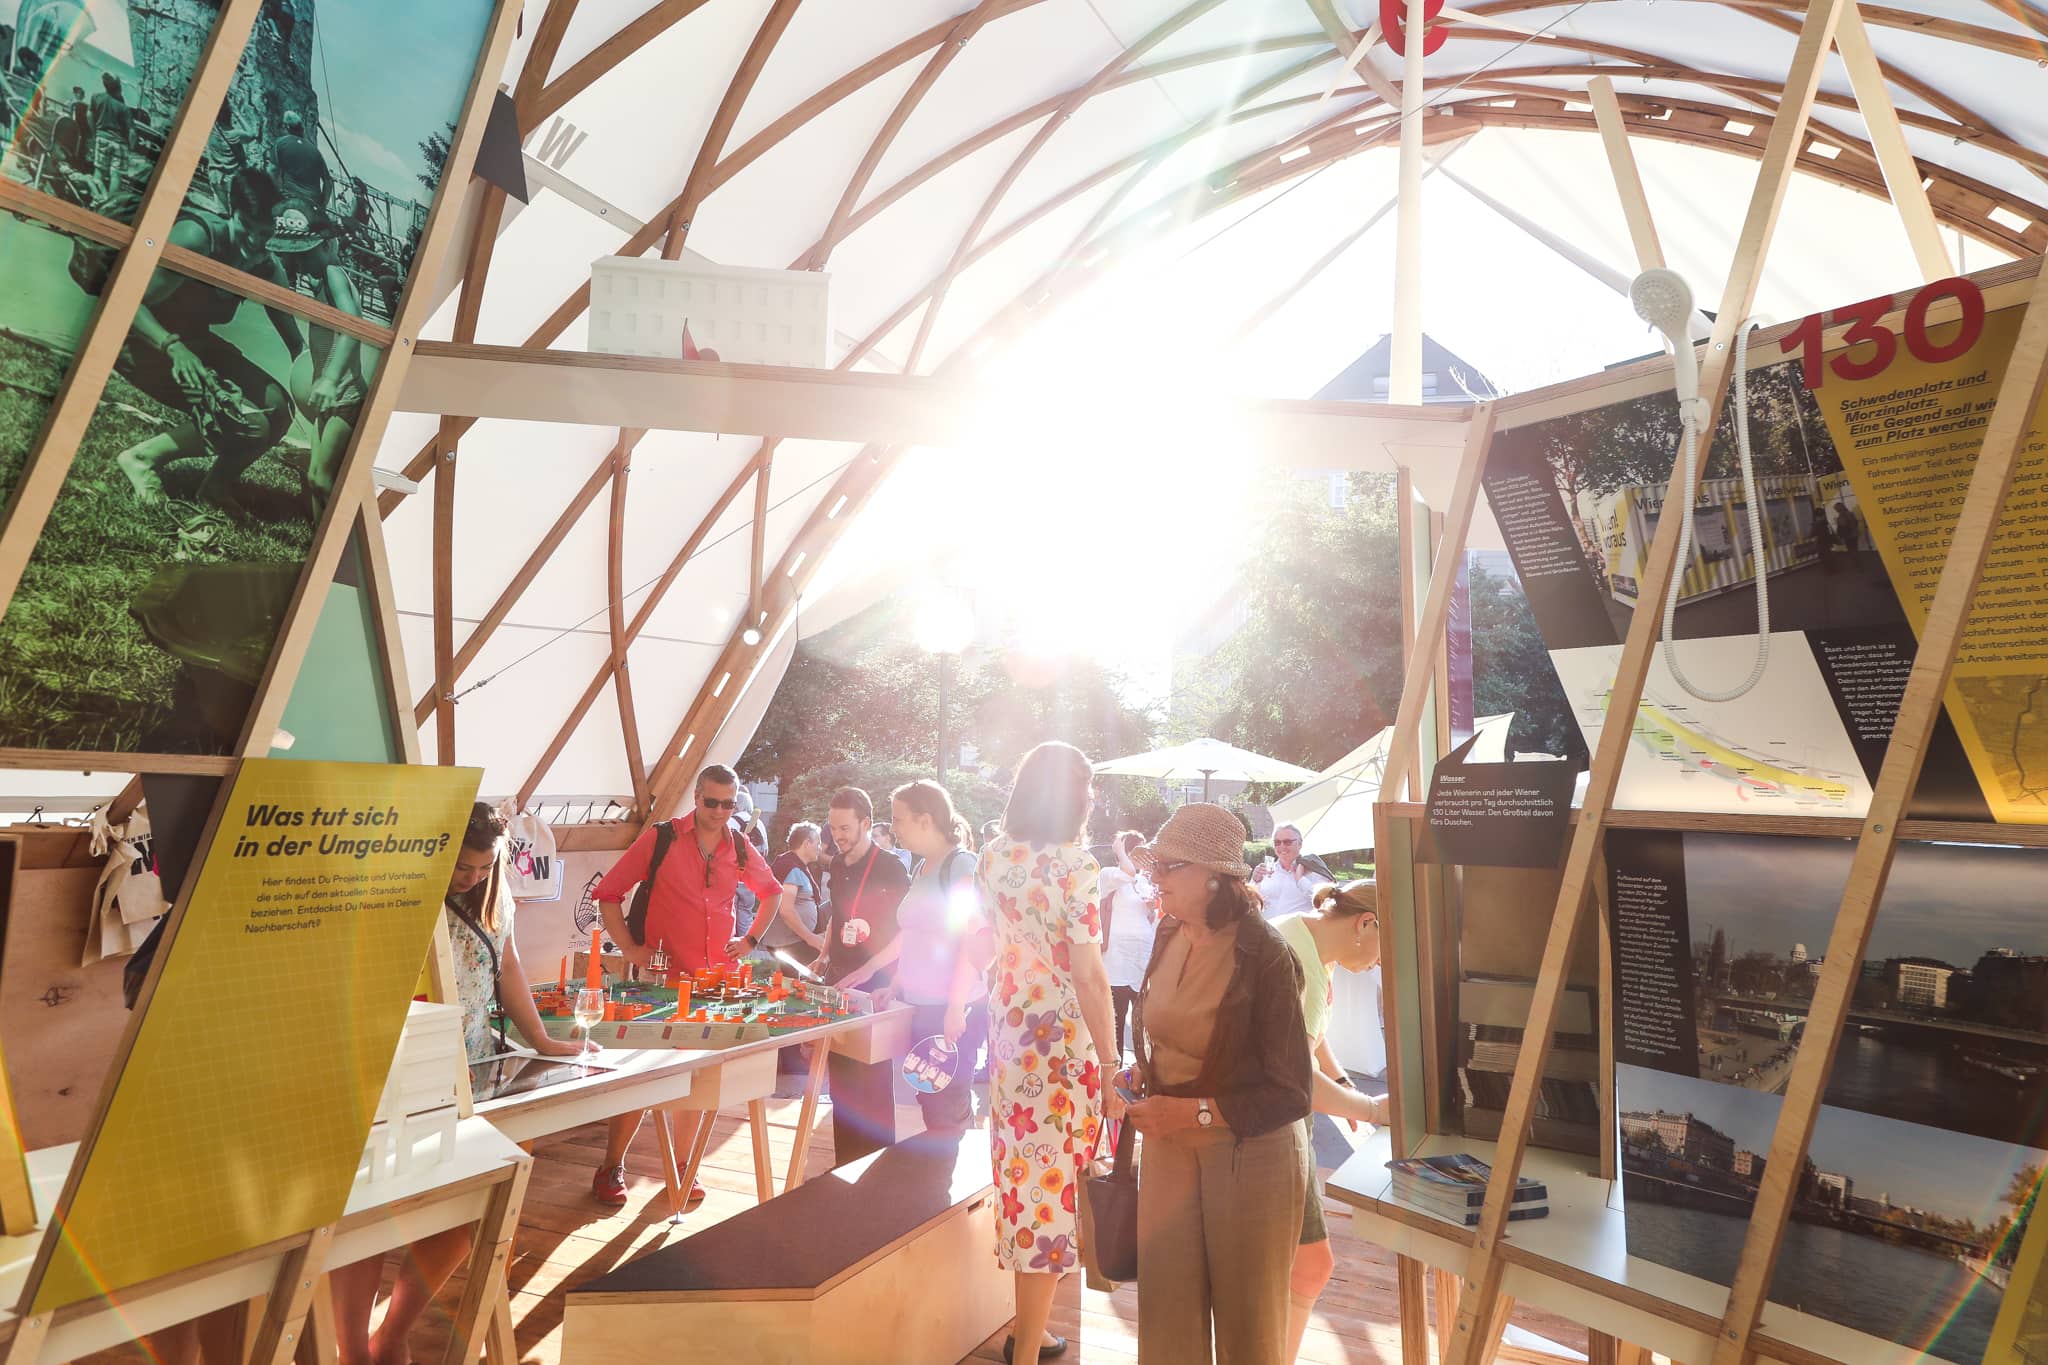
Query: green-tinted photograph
349 110
89 90
155 595
43 313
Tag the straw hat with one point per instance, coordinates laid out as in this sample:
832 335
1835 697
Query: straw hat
1202 833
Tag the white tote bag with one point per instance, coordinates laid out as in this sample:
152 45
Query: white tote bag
535 868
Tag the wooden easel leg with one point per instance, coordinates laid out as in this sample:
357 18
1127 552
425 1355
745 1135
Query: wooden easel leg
1446 1286
27 1344
489 1258
317 1343
807 1116
1497 1330
291 1298
764 1168
1602 1349
671 1174
501 1343
700 1143
1412 1300
1625 1354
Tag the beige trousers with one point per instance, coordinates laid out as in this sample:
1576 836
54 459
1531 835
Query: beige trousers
1218 1222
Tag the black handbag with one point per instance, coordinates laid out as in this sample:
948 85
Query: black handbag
1109 1226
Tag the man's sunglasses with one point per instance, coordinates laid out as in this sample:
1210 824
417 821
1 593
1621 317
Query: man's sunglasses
718 802
1285 843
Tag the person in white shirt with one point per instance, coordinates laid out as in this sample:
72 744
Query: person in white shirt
1130 913
1285 883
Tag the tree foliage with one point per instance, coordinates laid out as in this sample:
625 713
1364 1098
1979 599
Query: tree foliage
859 705
1511 670
1316 668
435 147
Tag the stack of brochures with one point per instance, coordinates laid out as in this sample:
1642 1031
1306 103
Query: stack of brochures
1454 1187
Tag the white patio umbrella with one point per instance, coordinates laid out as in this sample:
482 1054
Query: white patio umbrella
1206 759
1334 812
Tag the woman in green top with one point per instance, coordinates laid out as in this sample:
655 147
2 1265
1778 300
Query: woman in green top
1343 930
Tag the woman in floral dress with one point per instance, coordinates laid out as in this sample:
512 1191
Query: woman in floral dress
1049 1022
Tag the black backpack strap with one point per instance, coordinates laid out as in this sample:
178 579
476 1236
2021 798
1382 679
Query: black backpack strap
636 913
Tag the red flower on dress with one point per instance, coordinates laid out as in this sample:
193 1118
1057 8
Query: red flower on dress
1021 1121
1091 921
1067 1198
1063 956
1013 1207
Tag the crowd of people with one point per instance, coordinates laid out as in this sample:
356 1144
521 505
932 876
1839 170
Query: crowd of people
1176 989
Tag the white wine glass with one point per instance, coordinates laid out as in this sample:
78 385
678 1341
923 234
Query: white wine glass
589 1012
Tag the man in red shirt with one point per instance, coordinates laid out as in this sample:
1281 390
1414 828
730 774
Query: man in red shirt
690 914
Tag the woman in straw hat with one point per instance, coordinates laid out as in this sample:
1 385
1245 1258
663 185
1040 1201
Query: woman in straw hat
1225 1065
1049 1030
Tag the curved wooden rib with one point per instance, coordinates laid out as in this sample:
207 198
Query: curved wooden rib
708 151
1074 100
615 586
480 634
639 622
955 41
603 59
578 300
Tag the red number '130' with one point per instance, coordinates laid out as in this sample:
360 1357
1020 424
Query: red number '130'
1394 26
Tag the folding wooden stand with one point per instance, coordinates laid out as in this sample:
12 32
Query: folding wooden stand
1472 1307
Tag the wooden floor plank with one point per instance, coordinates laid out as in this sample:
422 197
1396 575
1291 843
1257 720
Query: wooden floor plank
566 1238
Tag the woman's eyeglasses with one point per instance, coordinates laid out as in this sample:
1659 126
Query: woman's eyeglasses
1161 869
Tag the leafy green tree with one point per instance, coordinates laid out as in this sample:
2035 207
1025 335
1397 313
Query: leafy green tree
859 705
1316 669
1511 669
435 148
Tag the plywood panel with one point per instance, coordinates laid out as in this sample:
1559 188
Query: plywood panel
1506 919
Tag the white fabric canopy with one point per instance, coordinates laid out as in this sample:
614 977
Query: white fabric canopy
1208 759
1334 811
1153 182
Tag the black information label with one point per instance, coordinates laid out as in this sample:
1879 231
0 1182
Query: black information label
1498 814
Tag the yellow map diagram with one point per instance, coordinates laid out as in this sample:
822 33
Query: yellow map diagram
1781 747
2010 715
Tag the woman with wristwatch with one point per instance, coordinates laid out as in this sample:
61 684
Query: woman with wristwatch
1225 1064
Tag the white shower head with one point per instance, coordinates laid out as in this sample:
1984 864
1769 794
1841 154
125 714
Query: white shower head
1662 298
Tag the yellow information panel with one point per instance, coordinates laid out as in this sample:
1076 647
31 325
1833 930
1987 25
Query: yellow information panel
245 1102
1908 438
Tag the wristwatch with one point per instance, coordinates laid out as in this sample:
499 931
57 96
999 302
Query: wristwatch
1204 1115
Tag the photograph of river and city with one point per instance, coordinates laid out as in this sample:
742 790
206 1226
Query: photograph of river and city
1899 1230
1948 1025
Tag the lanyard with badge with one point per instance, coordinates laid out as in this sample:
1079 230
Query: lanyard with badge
856 931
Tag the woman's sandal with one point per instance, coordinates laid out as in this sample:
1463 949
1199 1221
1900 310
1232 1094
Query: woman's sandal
1056 1347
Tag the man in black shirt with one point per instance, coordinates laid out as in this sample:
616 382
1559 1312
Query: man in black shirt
302 172
866 886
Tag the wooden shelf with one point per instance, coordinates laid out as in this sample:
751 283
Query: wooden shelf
1575 1262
